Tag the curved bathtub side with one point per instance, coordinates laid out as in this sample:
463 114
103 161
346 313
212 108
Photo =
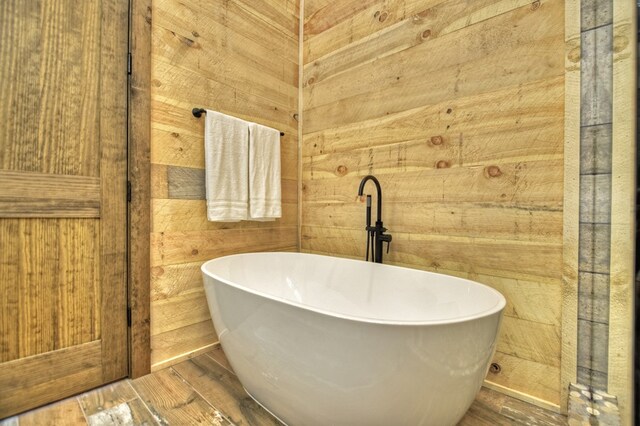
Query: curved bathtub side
310 368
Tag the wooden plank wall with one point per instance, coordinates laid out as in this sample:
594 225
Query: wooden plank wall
457 107
240 58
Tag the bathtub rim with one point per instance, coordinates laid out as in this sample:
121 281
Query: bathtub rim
498 308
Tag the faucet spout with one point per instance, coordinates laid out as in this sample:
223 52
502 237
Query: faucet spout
379 191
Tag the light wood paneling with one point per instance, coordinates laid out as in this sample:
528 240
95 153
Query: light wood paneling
239 58
623 204
571 207
458 109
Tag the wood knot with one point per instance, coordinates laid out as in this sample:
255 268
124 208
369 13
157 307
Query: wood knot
442 164
425 34
341 170
574 55
156 82
620 43
495 368
304 187
157 271
383 16
493 171
449 110
535 5
311 81
195 33
194 252
175 134
436 140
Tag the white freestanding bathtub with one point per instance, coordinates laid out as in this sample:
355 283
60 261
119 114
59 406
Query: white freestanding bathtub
319 340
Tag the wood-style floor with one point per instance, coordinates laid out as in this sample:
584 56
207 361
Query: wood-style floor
204 390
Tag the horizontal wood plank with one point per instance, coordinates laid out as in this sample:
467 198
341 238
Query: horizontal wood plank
29 382
541 382
191 215
463 219
187 183
24 194
184 247
521 108
532 184
172 346
179 311
175 147
172 280
455 253
530 340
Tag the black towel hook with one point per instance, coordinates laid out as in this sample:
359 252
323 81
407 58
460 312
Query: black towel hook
197 113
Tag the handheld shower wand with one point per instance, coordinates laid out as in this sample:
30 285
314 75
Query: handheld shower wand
368 227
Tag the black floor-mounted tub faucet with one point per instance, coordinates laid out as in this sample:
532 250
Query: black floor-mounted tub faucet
375 234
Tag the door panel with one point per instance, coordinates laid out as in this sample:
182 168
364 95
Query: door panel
63 94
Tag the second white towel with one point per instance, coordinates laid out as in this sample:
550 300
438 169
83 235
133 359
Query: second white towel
264 173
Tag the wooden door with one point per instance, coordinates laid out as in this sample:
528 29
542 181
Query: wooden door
63 100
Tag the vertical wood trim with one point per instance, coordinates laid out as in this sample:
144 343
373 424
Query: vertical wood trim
300 115
113 176
139 175
571 215
623 184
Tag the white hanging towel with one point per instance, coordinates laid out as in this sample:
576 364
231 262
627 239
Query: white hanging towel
226 151
264 173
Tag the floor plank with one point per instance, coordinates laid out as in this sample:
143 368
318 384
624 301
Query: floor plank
65 412
132 412
106 397
223 390
174 402
218 356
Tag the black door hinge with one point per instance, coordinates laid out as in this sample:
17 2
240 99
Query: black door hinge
128 316
129 191
129 63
